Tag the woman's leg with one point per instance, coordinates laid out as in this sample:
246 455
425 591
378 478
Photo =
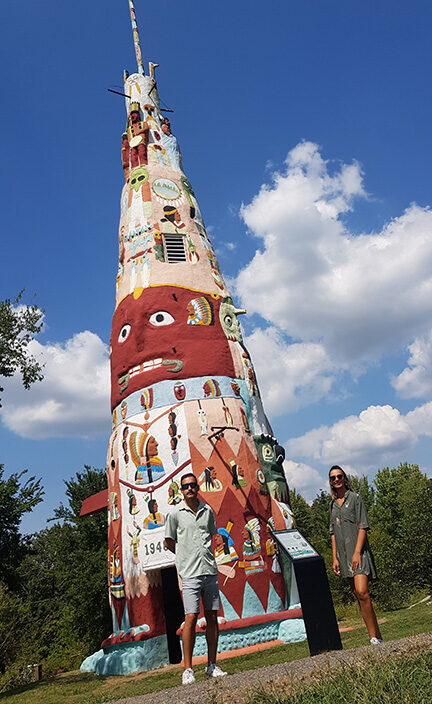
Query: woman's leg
360 586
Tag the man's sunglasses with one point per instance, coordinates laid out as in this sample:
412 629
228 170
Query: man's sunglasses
190 485
336 476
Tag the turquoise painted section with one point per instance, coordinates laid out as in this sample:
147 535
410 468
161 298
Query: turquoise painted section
291 630
229 613
89 664
116 627
140 629
163 392
251 604
128 657
274 602
125 624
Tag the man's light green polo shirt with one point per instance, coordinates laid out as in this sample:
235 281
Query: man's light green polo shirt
192 534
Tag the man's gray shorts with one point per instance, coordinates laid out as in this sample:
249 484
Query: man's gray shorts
205 586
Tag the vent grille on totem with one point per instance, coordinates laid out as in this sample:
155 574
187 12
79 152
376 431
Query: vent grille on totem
174 248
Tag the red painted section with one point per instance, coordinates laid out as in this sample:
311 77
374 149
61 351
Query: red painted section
253 620
95 504
228 626
154 327
126 638
142 609
115 552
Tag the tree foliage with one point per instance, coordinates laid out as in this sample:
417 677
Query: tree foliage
72 555
16 499
401 539
58 612
18 325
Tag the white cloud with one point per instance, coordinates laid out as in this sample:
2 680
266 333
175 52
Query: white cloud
304 479
290 376
366 441
72 399
416 379
420 419
358 296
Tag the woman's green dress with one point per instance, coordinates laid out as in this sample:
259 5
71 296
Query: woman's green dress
345 523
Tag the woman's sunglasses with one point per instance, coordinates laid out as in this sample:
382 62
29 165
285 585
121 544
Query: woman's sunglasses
336 476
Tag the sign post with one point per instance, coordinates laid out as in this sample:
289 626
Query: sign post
313 588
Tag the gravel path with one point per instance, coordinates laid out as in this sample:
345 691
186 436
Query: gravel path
234 689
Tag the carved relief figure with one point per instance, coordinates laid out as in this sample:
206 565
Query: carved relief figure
137 133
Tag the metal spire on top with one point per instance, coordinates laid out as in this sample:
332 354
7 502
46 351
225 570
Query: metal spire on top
136 38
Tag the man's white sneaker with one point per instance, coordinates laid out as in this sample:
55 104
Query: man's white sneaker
215 671
188 676
375 641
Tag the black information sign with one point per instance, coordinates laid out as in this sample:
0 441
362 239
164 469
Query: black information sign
314 591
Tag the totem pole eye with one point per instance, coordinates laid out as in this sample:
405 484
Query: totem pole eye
228 321
124 332
161 317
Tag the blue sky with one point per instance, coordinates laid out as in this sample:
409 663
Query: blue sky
305 131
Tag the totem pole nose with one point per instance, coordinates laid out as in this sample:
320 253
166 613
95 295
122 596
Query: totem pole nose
141 338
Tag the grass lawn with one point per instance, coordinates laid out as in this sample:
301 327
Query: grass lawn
84 688
396 680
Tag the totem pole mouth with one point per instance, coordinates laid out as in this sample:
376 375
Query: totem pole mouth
172 365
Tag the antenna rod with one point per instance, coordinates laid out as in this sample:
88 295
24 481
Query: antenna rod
110 90
136 38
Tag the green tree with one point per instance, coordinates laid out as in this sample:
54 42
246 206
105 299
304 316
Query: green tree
320 521
14 615
16 499
84 484
18 325
402 533
66 576
361 486
302 513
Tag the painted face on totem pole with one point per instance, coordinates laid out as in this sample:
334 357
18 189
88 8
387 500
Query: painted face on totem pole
138 177
151 340
187 185
152 447
272 478
228 317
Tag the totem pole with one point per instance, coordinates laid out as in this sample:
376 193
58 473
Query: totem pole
184 398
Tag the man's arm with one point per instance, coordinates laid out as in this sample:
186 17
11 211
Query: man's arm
170 533
170 544
212 523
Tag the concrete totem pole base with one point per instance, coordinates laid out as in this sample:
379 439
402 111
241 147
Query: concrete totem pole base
288 631
128 657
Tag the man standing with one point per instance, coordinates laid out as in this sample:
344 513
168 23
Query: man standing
188 533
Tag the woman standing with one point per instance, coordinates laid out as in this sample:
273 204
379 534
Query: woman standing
352 557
